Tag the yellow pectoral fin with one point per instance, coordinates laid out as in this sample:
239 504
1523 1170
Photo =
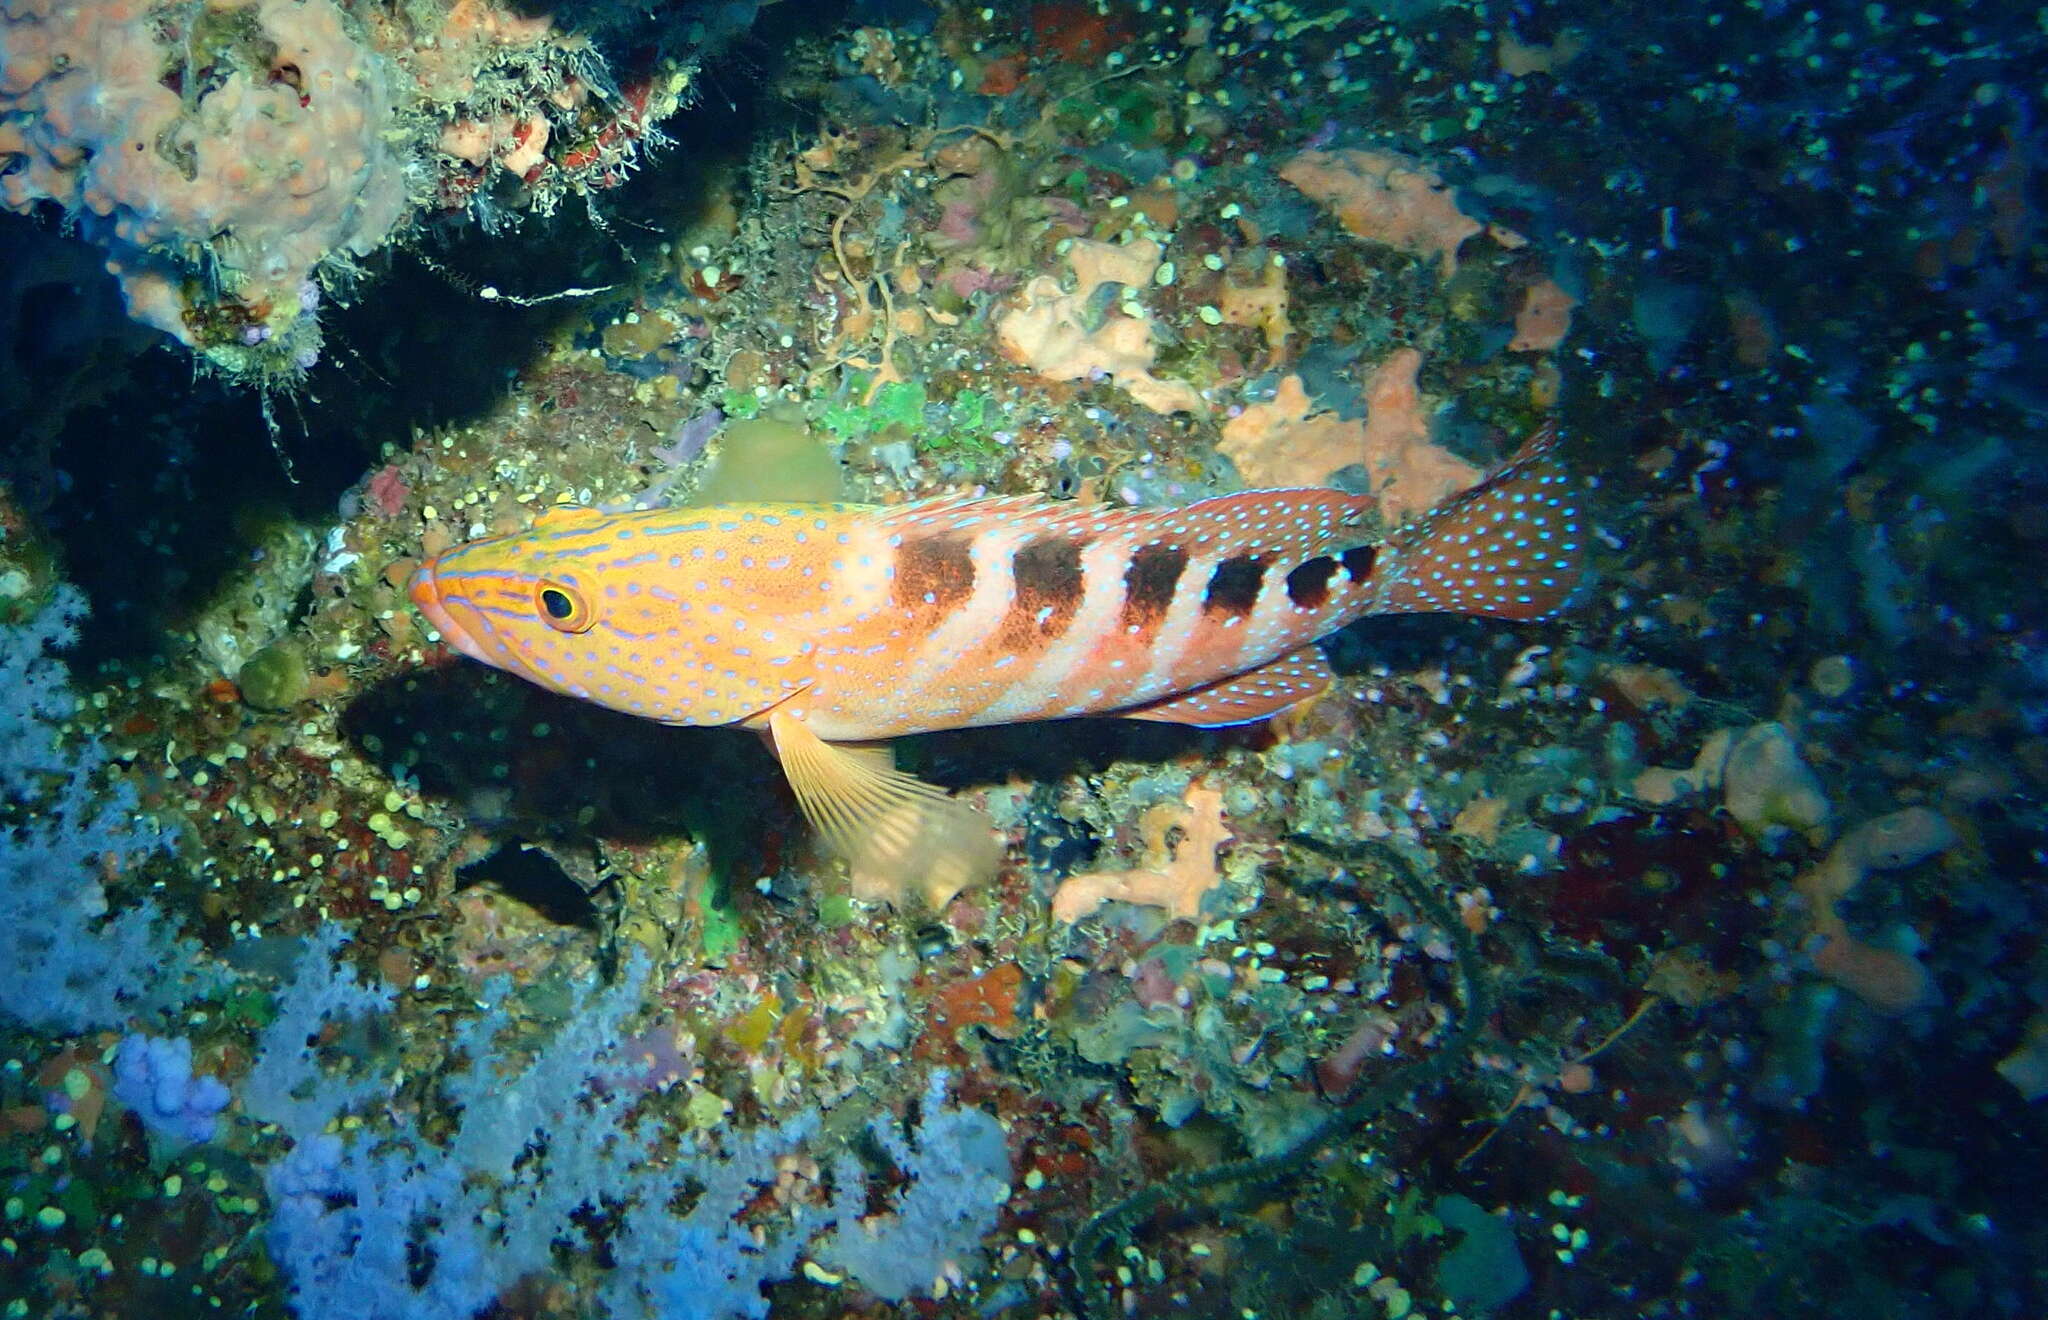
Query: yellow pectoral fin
902 838
1260 694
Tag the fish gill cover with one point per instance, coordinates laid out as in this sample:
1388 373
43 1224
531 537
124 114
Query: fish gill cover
1666 943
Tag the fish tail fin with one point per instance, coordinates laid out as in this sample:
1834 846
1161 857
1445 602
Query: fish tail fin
905 842
1511 547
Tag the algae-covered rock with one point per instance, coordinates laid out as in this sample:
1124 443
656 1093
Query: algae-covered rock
275 678
1767 786
770 460
254 606
1485 1270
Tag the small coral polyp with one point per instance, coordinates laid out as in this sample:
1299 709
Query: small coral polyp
222 156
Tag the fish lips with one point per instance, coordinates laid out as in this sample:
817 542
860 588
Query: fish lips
425 590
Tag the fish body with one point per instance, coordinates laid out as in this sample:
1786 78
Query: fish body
871 622
848 623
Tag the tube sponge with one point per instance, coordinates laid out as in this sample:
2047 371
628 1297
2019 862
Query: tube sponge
1888 979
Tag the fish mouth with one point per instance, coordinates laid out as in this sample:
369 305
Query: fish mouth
425 590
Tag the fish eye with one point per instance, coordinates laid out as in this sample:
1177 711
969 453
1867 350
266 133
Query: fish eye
562 608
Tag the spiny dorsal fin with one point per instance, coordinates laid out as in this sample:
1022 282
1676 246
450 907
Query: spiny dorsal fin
564 517
903 839
1255 695
1047 517
947 512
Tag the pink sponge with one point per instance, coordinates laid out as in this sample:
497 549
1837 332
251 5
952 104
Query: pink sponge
220 154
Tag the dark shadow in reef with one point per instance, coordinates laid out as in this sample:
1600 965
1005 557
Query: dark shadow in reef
537 878
1406 642
533 770
1050 751
1045 755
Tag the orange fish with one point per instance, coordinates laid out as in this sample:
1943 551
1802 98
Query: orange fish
831 627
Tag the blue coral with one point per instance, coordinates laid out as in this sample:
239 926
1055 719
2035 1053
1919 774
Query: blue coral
957 1163
399 1225
63 968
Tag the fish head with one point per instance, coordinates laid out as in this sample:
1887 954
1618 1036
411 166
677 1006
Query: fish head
517 602
660 613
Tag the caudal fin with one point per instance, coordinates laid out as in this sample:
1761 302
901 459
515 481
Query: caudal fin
1509 548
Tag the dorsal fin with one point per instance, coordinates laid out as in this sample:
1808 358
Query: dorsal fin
567 517
1044 517
946 512
1278 526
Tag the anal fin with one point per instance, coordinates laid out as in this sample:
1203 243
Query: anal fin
1256 694
904 840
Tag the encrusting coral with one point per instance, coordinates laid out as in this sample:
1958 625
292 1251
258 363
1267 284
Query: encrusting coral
1544 319
1889 980
1286 442
1046 329
232 159
1388 198
1175 879
1262 306
1768 787
273 163
1764 783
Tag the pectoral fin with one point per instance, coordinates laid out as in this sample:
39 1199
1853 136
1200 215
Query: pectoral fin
902 838
1257 694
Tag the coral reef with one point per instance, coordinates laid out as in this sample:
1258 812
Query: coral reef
1182 875
1390 198
1890 980
1282 442
1676 956
220 159
237 162
1047 329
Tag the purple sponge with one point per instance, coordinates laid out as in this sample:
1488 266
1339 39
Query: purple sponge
153 1077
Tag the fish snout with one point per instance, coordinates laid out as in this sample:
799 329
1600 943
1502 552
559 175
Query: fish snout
425 589
425 592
